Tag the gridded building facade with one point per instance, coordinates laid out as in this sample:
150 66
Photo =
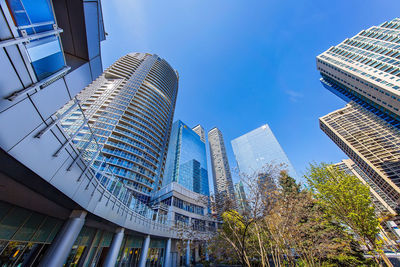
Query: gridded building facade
187 160
130 108
200 131
371 142
223 184
383 204
367 66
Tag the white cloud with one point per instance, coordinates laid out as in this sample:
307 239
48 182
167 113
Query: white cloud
293 95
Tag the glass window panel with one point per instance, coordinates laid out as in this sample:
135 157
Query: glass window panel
85 236
44 28
12 252
18 12
10 224
41 48
56 226
27 12
75 255
27 254
46 56
107 236
3 244
90 256
4 208
97 238
26 232
38 10
134 242
44 231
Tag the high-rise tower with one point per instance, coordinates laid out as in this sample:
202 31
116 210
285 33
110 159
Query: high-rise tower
130 108
187 160
365 71
200 131
257 148
371 142
241 200
366 68
379 198
223 184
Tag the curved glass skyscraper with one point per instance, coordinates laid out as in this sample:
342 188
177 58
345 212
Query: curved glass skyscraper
130 108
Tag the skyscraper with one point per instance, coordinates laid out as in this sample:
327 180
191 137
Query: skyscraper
223 184
383 204
130 109
366 68
187 160
257 148
365 71
371 142
200 131
241 200
55 208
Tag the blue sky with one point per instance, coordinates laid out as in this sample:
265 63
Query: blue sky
246 63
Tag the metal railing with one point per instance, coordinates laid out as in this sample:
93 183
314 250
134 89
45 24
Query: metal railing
96 170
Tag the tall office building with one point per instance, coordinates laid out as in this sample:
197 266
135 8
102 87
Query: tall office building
223 184
200 131
257 148
241 200
371 142
383 204
130 108
187 160
366 68
55 208
365 72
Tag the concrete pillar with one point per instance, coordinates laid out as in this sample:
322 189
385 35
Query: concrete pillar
167 261
188 253
143 253
113 251
59 250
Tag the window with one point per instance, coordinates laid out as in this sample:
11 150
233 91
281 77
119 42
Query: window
32 17
46 56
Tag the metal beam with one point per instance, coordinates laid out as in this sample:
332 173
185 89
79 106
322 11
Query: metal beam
28 38
54 122
37 85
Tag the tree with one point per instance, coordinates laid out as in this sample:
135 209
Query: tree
285 226
347 200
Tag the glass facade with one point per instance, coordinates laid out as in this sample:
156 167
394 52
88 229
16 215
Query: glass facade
129 109
187 160
24 235
33 17
257 148
367 67
364 71
370 142
381 201
241 200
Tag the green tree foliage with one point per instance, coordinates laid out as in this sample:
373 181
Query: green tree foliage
286 226
344 197
347 200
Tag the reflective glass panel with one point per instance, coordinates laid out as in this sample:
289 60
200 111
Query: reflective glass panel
46 56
